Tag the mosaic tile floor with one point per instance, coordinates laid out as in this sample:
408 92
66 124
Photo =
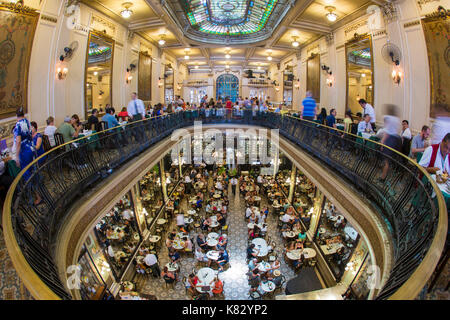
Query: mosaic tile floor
11 287
235 279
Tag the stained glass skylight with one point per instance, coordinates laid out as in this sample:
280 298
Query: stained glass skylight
229 17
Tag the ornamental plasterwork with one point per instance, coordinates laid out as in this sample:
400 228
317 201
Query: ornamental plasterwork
423 2
355 26
329 38
389 12
101 24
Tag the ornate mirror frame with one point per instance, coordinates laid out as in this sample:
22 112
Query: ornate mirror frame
355 40
110 40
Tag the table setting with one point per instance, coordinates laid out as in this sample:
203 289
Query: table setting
172 266
268 286
213 255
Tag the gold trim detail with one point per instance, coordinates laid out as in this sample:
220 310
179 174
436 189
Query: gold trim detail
412 23
18 7
48 18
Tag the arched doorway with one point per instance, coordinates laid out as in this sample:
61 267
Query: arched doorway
227 85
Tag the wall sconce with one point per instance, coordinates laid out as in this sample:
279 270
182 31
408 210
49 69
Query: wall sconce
128 78
396 75
160 83
297 84
61 71
330 80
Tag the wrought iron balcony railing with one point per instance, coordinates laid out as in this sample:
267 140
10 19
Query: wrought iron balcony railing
417 221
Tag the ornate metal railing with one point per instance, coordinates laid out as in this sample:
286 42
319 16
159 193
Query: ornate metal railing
416 221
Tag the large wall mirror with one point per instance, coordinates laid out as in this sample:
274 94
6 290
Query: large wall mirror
313 76
99 70
145 77
288 80
359 60
168 84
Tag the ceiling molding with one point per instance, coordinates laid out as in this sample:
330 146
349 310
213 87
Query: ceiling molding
97 6
358 13
311 26
144 24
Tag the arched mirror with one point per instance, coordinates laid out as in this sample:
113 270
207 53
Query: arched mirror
168 84
98 74
359 61
288 79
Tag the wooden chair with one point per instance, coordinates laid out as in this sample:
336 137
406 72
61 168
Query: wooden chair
59 138
46 143
169 282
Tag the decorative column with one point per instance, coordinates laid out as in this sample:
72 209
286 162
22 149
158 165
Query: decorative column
163 180
292 184
316 214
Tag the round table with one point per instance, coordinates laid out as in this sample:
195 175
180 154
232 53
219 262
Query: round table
216 195
192 212
178 244
213 235
322 230
205 277
213 255
261 244
290 234
161 221
188 220
268 286
136 236
263 266
212 242
308 253
172 266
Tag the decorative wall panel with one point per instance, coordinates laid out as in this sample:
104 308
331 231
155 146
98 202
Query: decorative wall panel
17 27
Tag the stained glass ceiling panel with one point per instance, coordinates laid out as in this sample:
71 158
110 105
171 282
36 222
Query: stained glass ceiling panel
229 17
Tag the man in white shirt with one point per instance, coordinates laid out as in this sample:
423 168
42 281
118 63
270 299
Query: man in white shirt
259 179
368 109
50 131
136 112
234 183
436 157
127 214
365 125
151 261
286 218
248 212
180 219
136 108
406 132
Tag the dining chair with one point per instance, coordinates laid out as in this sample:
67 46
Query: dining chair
255 295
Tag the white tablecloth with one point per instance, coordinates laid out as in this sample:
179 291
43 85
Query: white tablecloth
261 244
